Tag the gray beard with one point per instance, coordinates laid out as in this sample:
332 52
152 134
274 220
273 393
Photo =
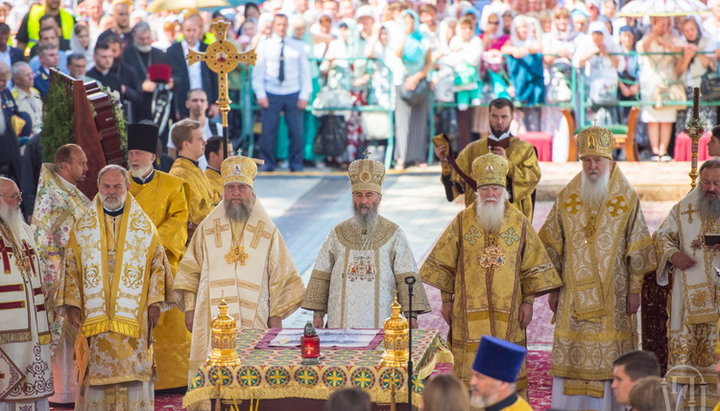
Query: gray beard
12 219
592 193
143 49
113 203
239 213
490 215
140 172
709 208
366 220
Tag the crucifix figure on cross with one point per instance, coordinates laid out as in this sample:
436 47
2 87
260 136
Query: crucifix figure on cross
222 57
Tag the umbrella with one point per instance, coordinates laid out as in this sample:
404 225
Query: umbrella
160 5
668 8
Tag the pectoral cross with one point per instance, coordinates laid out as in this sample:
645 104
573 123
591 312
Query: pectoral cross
258 233
690 211
29 253
217 231
5 250
222 57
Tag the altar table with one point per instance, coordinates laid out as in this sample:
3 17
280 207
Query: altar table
269 374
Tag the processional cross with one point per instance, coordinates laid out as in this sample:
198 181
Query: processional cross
222 57
694 129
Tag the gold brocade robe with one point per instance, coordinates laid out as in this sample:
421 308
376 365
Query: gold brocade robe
163 200
490 276
523 175
363 269
216 183
115 357
266 284
694 297
600 260
199 196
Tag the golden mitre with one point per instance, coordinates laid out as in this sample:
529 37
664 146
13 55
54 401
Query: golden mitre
595 141
238 169
490 169
366 175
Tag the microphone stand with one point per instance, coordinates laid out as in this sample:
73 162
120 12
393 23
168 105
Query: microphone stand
410 281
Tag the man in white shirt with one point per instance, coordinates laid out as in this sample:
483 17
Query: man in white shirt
281 82
197 105
26 96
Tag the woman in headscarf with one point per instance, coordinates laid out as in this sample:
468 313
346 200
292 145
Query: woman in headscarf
558 48
659 83
411 111
596 57
80 41
524 63
693 64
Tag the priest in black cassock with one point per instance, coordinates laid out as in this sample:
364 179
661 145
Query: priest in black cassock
140 55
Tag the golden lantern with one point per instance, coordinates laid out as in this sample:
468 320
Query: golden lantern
223 339
396 339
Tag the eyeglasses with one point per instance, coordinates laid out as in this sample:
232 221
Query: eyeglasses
17 196
493 22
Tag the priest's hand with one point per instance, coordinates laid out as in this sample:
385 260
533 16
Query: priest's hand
553 300
153 315
441 152
318 322
682 260
189 316
499 151
414 323
274 322
74 316
446 311
526 313
633 303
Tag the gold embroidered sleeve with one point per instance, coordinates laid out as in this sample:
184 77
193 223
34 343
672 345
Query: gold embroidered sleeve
525 170
285 286
187 279
318 288
440 267
666 242
161 280
537 272
70 286
640 252
404 266
552 236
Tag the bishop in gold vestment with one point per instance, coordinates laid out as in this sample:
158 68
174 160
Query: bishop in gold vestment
690 266
364 261
237 253
489 265
524 170
162 198
117 280
597 239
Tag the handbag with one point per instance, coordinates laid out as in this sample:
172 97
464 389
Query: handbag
710 85
418 95
331 138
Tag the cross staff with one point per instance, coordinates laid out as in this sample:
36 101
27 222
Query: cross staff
694 129
222 57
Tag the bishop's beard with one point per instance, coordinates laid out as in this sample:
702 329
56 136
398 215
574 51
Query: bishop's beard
12 218
490 214
113 202
239 211
709 208
365 215
594 189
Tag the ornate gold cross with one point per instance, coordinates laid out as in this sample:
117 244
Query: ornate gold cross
222 57
617 205
217 231
572 205
690 211
258 233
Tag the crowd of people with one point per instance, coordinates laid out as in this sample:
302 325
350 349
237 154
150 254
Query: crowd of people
392 56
